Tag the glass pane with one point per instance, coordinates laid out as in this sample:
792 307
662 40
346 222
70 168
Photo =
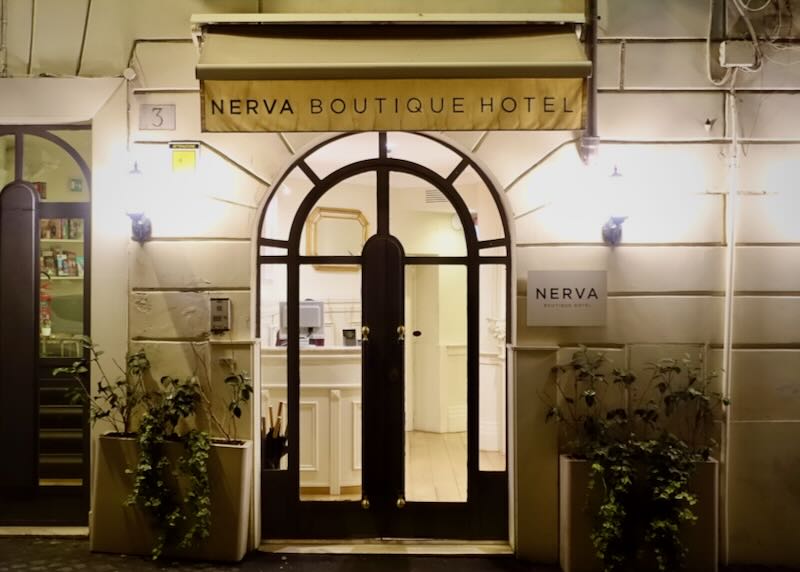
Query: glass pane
273 369
481 204
436 383
423 219
283 205
494 251
61 264
272 251
61 431
6 160
344 151
422 151
330 383
54 173
78 139
334 227
492 378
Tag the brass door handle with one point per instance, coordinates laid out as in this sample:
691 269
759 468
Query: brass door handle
365 503
365 335
401 333
401 502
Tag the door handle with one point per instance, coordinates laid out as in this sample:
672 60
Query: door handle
364 333
401 501
365 503
401 333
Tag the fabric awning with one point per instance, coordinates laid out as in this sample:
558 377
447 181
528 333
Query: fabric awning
389 51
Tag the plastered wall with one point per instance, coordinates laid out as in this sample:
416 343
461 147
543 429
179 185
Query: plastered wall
666 279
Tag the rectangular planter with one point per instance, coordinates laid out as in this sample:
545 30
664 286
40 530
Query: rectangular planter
118 528
576 551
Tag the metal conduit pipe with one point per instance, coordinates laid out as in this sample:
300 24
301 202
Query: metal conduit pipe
33 36
730 285
3 38
590 140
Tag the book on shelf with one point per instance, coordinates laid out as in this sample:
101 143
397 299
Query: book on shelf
79 264
41 189
51 228
72 266
76 228
48 263
61 264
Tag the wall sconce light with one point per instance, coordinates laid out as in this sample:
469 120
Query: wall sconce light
612 230
141 227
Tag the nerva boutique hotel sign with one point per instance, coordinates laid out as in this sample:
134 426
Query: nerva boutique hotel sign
567 298
392 104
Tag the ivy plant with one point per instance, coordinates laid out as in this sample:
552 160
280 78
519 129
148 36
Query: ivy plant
643 440
177 522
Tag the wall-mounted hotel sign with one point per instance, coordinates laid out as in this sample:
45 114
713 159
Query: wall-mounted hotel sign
567 298
392 104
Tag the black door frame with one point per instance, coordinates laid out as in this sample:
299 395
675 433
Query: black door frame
34 504
382 379
485 514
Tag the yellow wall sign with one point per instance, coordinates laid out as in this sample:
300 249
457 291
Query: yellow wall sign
184 156
392 104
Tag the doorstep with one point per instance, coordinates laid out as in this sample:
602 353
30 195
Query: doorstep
53 531
415 547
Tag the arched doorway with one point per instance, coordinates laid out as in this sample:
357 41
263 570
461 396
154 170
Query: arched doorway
45 268
383 307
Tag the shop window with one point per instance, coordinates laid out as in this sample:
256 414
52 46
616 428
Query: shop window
492 376
481 205
341 152
6 159
423 219
334 227
283 205
54 173
273 393
422 151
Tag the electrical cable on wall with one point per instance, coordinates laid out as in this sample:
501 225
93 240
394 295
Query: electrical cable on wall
730 74
3 38
741 8
725 78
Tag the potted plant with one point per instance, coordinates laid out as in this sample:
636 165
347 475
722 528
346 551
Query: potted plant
636 467
160 484
118 404
230 465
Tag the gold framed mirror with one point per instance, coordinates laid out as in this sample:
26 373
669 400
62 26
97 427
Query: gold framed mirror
336 232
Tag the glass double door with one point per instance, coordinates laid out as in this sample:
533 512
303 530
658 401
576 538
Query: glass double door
386 438
382 316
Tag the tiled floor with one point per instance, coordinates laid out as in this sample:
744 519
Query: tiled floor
436 468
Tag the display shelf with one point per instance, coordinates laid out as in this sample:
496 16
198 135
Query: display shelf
317 349
62 240
64 278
